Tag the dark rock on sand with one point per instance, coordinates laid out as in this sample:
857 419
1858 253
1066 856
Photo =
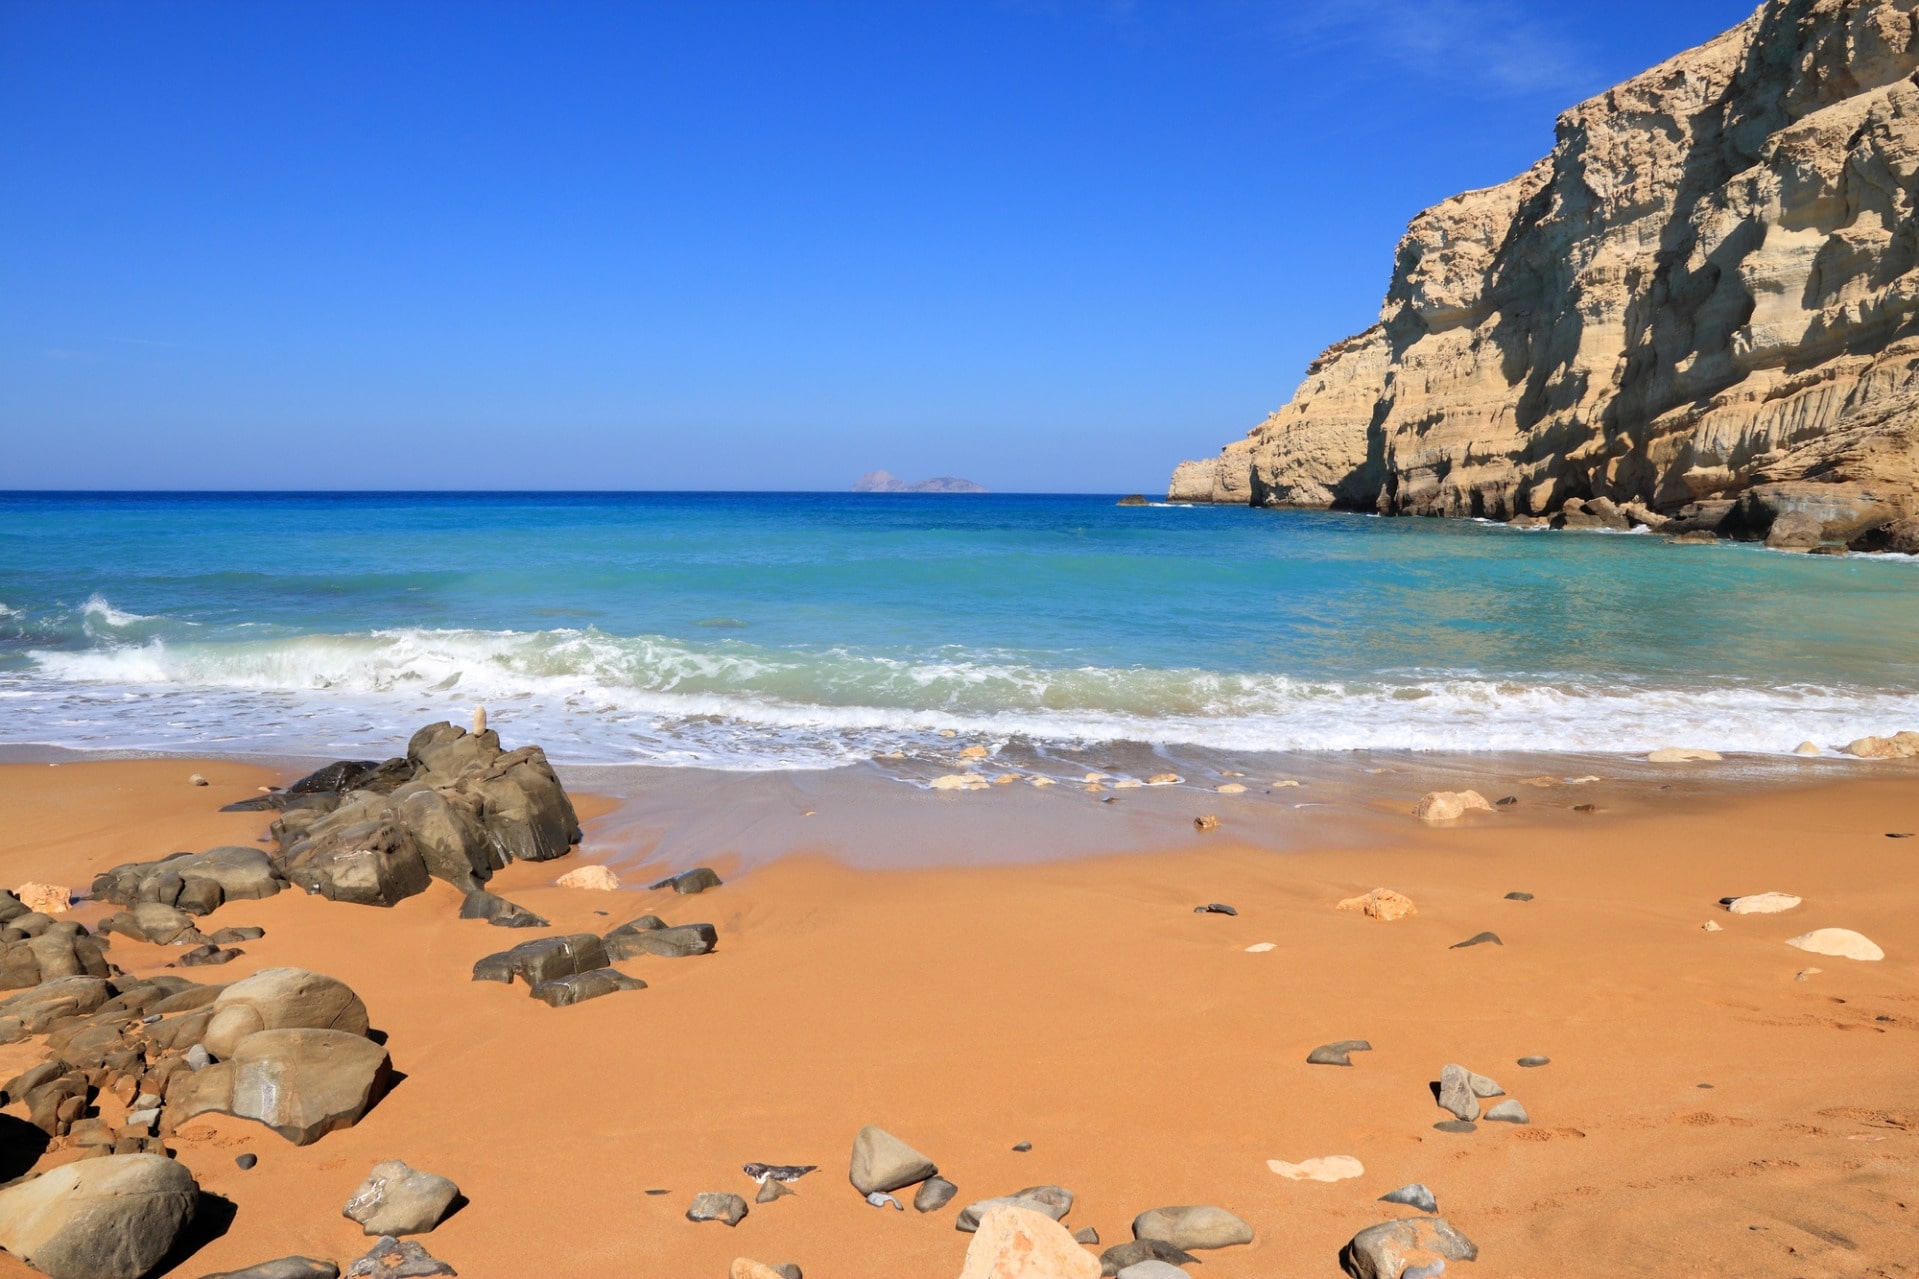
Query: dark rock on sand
1530 1062
1519 897
715 1206
1477 939
112 1217
580 987
1457 1126
777 1172
1381 1252
1122 1255
194 882
284 1268
771 1190
1192 1226
398 1200
678 942
1022 1147
1214 908
397 1259
228 936
498 911
883 1162
543 959
934 1193
688 882
1086 1235
246 1161
1335 1054
1417 1195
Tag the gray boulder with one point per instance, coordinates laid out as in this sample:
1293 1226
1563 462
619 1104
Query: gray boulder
397 1259
302 1084
371 862
1192 1226
934 1193
112 1217
283 1268
882 1162
1053 1201
1382 1251
579 987
543 959
714 1206
632 939
398 1200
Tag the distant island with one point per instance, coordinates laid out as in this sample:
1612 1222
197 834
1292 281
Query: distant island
887 482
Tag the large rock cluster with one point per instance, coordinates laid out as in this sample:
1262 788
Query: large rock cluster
1700 312
35 947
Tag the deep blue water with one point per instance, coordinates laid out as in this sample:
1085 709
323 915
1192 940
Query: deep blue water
800 629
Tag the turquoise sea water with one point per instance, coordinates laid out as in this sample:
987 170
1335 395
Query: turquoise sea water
800 630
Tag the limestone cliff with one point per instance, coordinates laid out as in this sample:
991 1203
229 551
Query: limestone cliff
1702 306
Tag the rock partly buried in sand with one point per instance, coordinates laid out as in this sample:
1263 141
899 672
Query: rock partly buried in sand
282 999
747 1268
934 1193
1417 1195
1392 1248
1192 1226
1018 1243
1477 939
580 987
883 1162
498 911
1508 1112
397 1259
1121 1255
1534 1062
543 959
676 942
1450 805
1206 822
688 882
1054 1201
1382 904
398 1200
112 1217
599 879
1323 1168
302 1084
197 883
1682 755
1898 746
716 1206
47 899
1335 1054
1214 908
1760 903
1842 943
283 1268
1152 1270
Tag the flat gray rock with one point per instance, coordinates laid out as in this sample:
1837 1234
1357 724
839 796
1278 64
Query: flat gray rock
398 1259
676 942
771 1190
398 1200
1053 1201
1152 1270
1122 1255
577 988
1382 1251
883 1162
1519 897
1417 1195
1336 1054
934 1193
1086 1235
283 1268
498 911
1477 939
1192 1226
688 882
1456 1126
1214 908
717 1206
1508 1112
114 1216
1531 1062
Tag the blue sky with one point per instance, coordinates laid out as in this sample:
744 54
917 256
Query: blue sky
1052 246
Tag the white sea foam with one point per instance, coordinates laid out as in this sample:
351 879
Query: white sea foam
594 697
97 609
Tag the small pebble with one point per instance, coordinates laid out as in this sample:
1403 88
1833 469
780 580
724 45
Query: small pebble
1704 1085
659 1192
1477 939
1023 1147
1417 1195
1507 802
1585 808
1259 947
1336 1054
1457 1125
1214 908
1519 897
1208 822
196 780
1804 973
1508 1111
247 1160
1535 1061
881 1200
1086 1235
1712 927
1898 834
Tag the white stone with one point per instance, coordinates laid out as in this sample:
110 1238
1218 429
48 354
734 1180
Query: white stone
1762 904
597 878
1259 948
1232 788
1841 943
1682 755
1324 1168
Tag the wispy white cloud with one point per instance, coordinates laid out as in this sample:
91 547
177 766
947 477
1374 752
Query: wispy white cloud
1492 46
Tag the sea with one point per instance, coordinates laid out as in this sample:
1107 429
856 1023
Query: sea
799 631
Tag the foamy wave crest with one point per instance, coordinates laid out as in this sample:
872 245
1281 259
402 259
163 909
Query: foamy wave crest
594 697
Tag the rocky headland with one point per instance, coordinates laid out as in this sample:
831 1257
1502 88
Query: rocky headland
1696 314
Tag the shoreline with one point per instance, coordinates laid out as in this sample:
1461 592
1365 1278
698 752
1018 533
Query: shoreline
1079 1003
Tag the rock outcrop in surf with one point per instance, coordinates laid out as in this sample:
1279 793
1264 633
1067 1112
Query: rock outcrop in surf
1702 307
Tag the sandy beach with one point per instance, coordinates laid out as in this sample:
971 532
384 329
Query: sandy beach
1706 1110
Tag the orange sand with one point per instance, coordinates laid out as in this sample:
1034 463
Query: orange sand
1083 1007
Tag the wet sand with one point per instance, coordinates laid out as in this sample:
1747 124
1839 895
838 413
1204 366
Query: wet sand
1076 1002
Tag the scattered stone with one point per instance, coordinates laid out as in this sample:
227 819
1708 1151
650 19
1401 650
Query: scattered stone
498 911
688 882
1456 1092
398 1200
247 1161
1023 1147
1805 973
1760 903
1054 1201
1417 1195
1841 943
1164 779
46 899
647 936
228 936
1456 1126
1712 926
747 1268
771 1190
1259 947
1382 904
1807 748
1192 1226
882 1161
1530 1062
1324 1168
1335 1054
1508 1112
1682 755
960 781
1086 1236
1899 834
1519 897
111 1217
1388 1250
1152 1270
717 1206
1506 801
599 879
577 988
762 1173
1449 805
1122 1255
880 1199
284 1268
1477 939
934 1193
543 959
1214 908
397 1259
1017 1243
282 999
196 780
1207 822
1231 788
973 752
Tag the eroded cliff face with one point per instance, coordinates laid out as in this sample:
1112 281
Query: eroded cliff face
1703 303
